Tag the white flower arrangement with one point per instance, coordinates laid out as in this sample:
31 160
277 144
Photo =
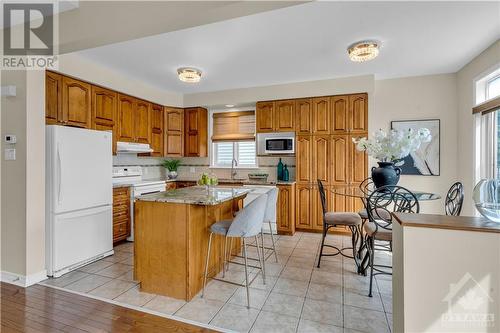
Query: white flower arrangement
393 146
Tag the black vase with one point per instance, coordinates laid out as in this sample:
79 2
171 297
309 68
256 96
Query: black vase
385 174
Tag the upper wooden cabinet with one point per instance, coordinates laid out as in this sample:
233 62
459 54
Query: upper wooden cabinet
53 98
303 145
142 114
264 117
174 132
76 97
157 125
340 114
358 113
104 111
321 115
126 118
196 135
303 116
284 116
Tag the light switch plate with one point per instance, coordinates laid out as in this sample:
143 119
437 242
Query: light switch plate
10 154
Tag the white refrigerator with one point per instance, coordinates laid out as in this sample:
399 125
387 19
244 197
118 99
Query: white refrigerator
79 197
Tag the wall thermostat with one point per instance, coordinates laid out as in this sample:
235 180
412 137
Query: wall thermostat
9 138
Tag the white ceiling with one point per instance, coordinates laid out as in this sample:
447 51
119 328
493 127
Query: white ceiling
308 42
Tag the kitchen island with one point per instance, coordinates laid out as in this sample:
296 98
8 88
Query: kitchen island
171 237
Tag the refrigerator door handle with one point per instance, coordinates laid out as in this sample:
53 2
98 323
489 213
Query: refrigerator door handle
59 174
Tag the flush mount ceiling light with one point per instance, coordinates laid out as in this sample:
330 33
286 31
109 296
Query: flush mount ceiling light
363 51
189 74
229 105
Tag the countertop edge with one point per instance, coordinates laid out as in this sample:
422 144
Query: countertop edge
446 222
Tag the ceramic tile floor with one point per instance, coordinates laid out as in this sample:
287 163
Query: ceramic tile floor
297 296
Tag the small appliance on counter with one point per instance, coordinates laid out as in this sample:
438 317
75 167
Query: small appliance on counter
258 177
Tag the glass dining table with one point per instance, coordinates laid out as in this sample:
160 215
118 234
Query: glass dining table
354 191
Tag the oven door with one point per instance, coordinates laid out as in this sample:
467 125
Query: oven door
279 146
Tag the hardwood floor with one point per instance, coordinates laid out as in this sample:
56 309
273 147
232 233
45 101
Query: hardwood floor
44 309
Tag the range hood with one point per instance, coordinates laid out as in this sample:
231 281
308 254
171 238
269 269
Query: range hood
132 147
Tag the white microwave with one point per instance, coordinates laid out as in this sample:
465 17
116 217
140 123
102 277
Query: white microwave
276 143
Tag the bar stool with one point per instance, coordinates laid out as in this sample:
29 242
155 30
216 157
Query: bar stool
247 223
332 219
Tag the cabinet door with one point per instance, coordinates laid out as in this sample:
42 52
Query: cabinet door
157 123
303 158
321 115
303 203
321 159
53 98
303 116
191 119
358 113
174 132
317 207
264 115
340 114
196 136
339 159
284 116
358 163
76 102
286 210
126 119
104 106
142 122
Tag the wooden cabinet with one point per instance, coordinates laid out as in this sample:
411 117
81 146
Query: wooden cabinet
340 114
174 132
121 213
358 163
317 207
321 115
284 116
104 111
303 206
339 161
285 216
196 123
303 116
303 159
358 113
264 117
142 115
321 159
76 99
126 118
157 125
53 98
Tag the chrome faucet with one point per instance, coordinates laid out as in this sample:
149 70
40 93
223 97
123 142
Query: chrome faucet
234 163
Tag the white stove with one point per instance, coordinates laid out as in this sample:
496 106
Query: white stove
132 176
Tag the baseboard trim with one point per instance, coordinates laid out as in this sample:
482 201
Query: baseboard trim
23 280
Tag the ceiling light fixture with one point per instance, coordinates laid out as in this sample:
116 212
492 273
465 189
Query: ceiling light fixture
229 105
363 51
189 74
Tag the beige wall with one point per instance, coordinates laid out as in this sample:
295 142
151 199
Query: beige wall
77 66
422 97
466 129
13 185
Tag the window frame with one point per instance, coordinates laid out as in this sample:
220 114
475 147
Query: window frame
487 85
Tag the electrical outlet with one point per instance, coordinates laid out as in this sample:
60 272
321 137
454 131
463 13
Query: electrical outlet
192 169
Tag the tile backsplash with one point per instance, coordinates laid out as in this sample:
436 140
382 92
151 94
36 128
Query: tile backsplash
152 168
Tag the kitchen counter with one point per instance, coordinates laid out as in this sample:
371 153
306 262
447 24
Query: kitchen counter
197 195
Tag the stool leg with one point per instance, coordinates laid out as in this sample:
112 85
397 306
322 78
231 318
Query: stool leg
322 243
246 271
272 240
261 261
263 257
371 247
224 258
206 264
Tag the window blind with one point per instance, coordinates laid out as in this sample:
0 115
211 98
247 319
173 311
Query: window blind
234 126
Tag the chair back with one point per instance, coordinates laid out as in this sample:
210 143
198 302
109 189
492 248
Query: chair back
249 220
367 186
322 196
388 199
454 199
272 199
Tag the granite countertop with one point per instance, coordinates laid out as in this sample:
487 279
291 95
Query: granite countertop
221 182
197 195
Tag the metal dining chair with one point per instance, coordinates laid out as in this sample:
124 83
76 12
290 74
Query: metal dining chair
332 219
366 187
454 199
379 205
247 223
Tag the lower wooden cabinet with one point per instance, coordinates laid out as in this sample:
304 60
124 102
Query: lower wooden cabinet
303 206
121 213
285 212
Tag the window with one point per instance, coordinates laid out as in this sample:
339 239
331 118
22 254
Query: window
493 87
243 152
